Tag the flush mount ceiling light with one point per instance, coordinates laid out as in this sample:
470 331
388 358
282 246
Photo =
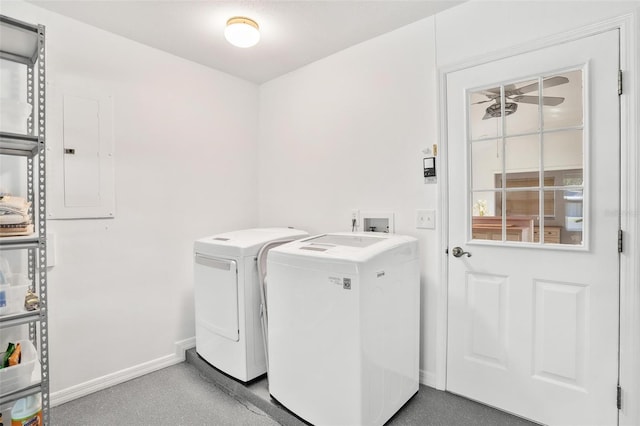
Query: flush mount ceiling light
242 32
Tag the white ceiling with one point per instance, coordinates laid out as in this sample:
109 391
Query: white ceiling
293 33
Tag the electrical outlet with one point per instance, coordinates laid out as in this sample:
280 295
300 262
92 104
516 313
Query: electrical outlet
425 219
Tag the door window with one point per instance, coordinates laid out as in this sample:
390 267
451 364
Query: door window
526 146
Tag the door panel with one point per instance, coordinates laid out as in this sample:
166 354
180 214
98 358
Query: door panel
533 313
216 296
560 338
487 316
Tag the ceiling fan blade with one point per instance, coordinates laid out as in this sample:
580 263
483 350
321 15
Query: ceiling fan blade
554 81
549 82
552 100
494 91
524 89
526 99
483 102
546 100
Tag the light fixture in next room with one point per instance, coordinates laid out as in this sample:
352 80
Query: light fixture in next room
242 32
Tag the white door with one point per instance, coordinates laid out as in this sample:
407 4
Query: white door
534 193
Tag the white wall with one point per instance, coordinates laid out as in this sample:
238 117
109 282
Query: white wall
347 131
121 292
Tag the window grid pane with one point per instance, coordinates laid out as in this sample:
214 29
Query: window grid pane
526 148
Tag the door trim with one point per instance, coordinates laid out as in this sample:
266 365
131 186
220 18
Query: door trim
629 343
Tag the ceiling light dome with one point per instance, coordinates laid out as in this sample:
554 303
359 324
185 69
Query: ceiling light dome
242 32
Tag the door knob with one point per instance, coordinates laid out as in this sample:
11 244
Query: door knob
458 252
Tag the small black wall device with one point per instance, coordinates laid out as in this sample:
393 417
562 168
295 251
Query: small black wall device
429 166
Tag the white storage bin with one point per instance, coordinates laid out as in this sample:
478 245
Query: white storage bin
19 376
12 293
12 298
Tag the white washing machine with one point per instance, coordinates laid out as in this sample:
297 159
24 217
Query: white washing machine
344 321
227 299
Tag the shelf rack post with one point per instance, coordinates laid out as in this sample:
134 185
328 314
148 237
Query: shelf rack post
42 224
25 44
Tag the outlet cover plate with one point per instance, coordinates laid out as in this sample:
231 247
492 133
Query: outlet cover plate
426 219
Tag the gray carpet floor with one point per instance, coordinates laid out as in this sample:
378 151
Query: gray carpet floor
177 395
194 393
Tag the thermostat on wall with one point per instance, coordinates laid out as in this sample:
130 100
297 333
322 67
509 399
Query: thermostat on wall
429 168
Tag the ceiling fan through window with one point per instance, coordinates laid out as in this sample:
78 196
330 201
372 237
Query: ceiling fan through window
514 95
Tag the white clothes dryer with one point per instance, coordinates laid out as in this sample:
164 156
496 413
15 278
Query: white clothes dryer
227 300
344 321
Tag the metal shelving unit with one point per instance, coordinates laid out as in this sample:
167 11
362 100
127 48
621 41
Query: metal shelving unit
25 43
22 145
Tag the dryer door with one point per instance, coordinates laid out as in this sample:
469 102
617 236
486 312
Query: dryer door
216 295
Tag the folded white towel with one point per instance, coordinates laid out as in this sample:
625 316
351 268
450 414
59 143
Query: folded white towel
14 205
12 219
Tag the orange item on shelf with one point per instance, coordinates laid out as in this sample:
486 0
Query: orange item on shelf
16 356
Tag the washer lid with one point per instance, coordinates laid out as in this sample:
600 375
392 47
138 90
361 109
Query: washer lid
347 246
346 240
245 242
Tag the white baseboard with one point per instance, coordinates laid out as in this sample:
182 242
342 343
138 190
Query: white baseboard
183 345
428 378
100 383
